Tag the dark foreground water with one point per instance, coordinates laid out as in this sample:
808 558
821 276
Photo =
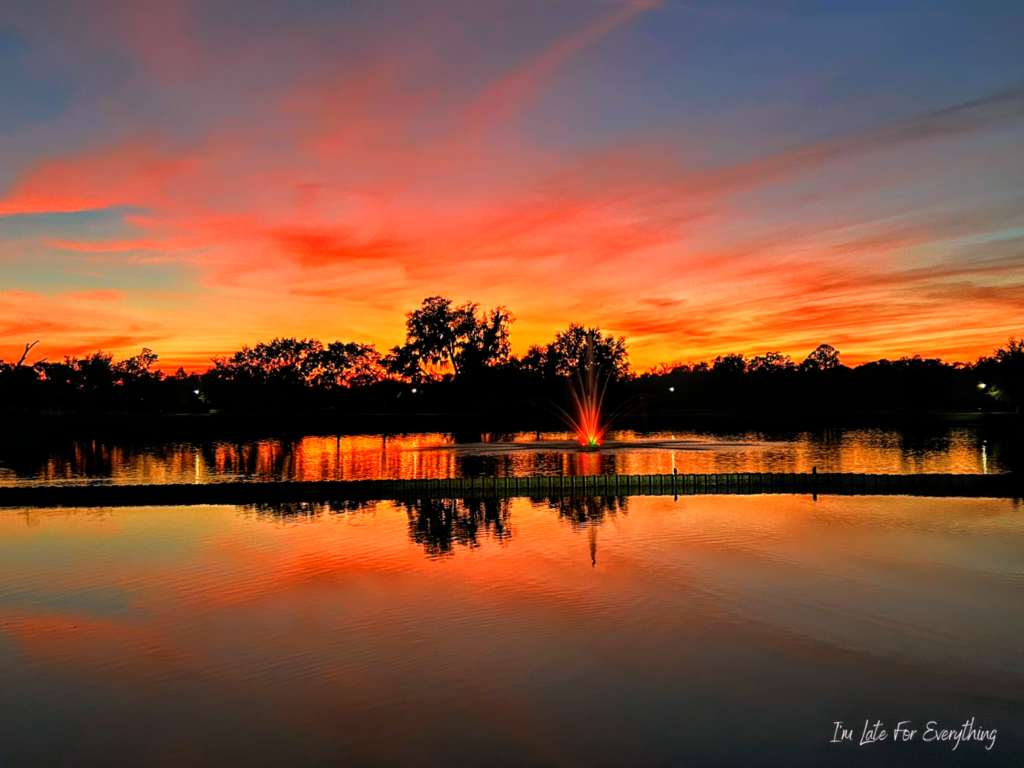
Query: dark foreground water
622 632
963 449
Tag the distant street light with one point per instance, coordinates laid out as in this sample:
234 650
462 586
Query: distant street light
671 389
414 390
981 386
196 391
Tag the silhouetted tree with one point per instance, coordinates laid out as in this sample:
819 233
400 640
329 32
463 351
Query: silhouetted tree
286 370
824 357
566 354
730 364
97 381
19 383
406 363
488 340
346 365
88 374
536 361
137 367
1005 371
287 361
440 336
771 362
445 343
663 369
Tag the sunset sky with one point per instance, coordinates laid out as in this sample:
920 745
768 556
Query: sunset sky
700 177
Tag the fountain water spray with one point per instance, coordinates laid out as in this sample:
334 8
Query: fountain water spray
587 393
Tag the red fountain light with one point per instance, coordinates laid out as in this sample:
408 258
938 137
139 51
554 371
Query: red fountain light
587 391
588 397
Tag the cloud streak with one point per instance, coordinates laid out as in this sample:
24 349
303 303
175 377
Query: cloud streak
330 201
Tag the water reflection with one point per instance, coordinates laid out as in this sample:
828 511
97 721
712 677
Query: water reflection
586 513
438 525
206 636
437 455
305 510
583 511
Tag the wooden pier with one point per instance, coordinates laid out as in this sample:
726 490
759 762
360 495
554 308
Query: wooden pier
749 483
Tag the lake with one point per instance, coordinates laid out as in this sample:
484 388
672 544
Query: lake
712 630
963 449
619 631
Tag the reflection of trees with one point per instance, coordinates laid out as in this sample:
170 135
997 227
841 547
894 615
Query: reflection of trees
581 511
587 513
916 444
1005 451
304 510
556 461
92 459
439 524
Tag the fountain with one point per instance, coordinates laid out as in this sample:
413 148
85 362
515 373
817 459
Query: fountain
587 393
590 425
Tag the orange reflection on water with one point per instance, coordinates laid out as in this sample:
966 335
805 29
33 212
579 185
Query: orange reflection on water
438 455
249 624
342 457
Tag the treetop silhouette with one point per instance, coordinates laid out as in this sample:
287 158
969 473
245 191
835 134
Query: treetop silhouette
463 347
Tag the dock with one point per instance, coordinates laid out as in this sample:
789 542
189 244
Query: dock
541 486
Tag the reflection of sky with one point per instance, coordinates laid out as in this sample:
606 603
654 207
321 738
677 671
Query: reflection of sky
698 178
436 455
334 635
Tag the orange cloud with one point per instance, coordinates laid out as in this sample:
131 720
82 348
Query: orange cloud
357 194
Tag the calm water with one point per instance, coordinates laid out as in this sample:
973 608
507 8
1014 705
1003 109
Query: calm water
436 455
709 631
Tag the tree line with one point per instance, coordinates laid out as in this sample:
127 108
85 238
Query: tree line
458 357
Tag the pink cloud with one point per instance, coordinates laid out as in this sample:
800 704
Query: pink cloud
338 197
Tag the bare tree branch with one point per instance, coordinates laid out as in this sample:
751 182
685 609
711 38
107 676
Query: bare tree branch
28 348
